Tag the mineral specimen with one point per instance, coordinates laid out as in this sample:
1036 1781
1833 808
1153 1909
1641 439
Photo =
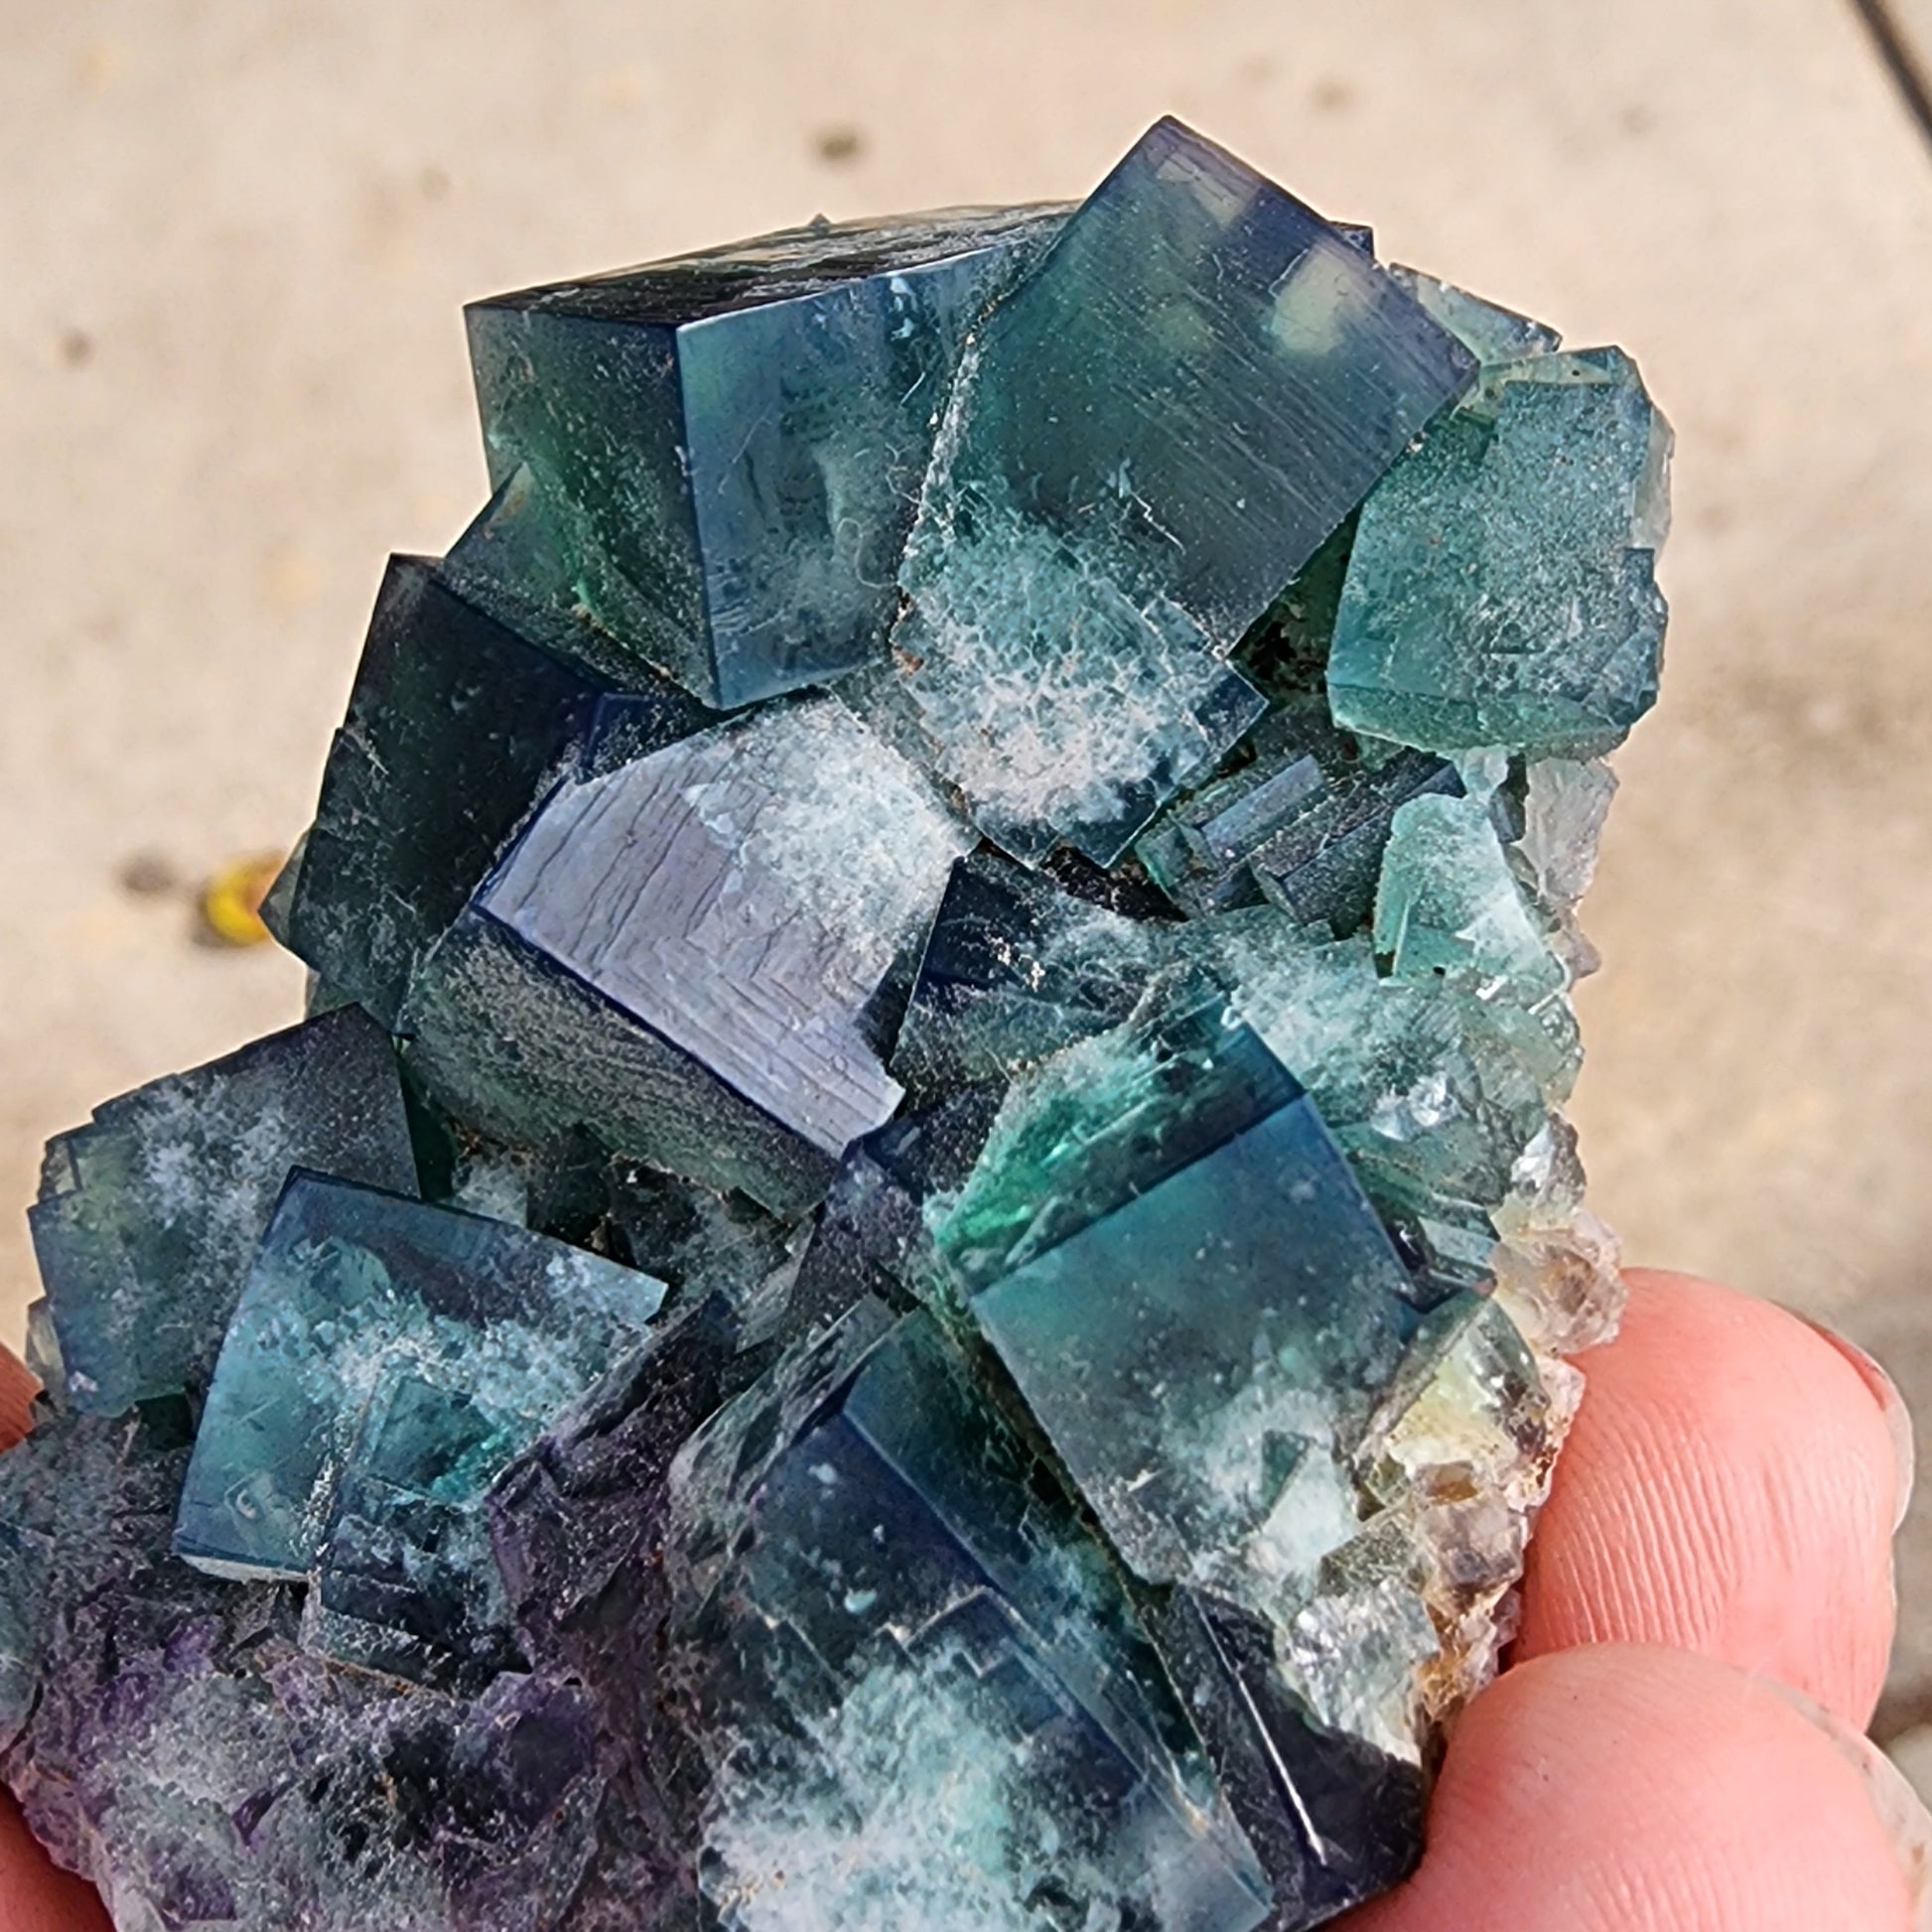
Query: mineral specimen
918 1265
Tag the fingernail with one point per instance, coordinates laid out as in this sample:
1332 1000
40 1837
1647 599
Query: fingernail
1902 1816
1891 1405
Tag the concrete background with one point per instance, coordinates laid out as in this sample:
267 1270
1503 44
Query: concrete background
231 378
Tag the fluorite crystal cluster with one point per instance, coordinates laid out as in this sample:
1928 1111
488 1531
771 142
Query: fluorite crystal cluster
915 1267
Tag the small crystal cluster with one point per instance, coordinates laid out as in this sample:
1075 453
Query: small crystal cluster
915 1267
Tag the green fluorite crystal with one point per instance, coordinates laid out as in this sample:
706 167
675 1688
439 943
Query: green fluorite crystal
803 1342
1147 439
355 1298
1202 1313
1501 588
149 1215
1447 906
725 451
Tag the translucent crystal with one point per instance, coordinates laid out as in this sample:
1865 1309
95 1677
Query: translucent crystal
930 1695
945 1302
1447 906
1491 334
1014 970
150 1214
725 449
1148 440
399 1352
1501 588
456 726
1199 1322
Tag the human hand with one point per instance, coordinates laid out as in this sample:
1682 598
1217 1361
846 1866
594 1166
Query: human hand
1707 1617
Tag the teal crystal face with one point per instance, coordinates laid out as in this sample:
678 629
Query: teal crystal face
724 452
917 1265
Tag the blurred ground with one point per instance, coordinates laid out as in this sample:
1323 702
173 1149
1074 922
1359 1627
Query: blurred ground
231 378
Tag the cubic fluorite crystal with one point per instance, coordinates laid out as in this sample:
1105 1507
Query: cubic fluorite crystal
917 1267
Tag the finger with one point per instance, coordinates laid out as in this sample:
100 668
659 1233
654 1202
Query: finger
1731 1487
1631 1789
17 1392
33 1895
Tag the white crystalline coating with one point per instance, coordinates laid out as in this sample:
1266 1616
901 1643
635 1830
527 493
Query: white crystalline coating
915 1815
195 1741
175 1151
333 1324
1278 1530
743 894
1316 1514
1049 698
497 1187
1357 1653
843 825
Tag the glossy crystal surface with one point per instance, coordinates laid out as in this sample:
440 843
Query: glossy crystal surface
918 1267
149 1215
1147 439
1502 588
725 451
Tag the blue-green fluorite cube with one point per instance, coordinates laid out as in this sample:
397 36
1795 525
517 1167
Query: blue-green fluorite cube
929 1699
1202 1315
366 1314
1149 438
725 449
149 1216
1502 588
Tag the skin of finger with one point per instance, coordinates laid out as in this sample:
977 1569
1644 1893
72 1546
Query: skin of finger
1730 1487
33 1895
1626 1788
17 1392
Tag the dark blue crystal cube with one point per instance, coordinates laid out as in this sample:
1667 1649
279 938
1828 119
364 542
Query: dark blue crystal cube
725 450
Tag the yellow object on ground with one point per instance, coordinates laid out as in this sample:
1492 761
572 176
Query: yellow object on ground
230 901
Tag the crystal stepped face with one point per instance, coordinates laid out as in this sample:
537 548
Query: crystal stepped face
917 1265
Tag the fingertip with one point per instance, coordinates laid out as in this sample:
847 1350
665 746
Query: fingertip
1629 1789
18 1388
1730 1487
34 1894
